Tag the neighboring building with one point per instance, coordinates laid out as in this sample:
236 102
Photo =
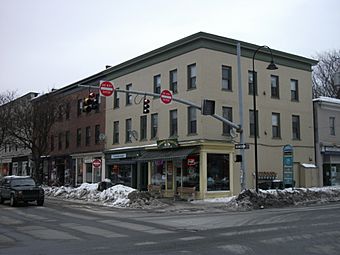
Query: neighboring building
327 139
75 139
14 158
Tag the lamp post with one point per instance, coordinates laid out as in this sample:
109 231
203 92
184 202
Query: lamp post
271 66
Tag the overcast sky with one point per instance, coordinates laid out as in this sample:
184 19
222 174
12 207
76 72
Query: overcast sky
49 44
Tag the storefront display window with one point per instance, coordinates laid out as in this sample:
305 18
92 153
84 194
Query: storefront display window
121 174
158 173
218 172
190 172
80 163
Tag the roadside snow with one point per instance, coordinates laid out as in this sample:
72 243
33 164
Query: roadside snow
125 197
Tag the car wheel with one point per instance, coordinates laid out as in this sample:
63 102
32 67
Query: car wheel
40 202
12 201
1 200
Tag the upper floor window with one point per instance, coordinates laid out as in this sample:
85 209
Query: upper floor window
52 144
78 137
96 134
294 90
173 123
296 127
60 143
87 136
79 106
116 132
154 125
228 114
252 82
143 127
332 125
60 112
128 130
173 81
157 84
192 120
276 129
275 92
192 76
226 78
67 111
252 123
115 99
67 139
128 95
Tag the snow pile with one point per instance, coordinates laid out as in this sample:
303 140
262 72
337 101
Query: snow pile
115 196
249 199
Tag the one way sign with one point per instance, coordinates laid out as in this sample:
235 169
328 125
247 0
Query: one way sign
241 146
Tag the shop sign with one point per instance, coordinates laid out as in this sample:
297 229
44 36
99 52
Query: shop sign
167 143
288 174
191 161
117 156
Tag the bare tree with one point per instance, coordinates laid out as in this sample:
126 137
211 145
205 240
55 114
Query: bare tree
5 99
323 74
31 123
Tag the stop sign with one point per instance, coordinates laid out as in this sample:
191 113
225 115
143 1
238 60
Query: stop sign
96 163
106 88
166 96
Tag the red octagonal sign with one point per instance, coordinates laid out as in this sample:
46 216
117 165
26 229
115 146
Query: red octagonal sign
106 88
96 163
166 96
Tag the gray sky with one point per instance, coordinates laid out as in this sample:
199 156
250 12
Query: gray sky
49 44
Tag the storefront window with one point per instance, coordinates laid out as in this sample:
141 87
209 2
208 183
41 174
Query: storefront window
121 174
158 173
190 172
80 163
218 172
88 172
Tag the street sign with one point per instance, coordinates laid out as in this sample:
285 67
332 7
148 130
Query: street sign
166 96
241 146
97 163
106 88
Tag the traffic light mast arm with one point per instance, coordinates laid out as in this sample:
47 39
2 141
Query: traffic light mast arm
186 102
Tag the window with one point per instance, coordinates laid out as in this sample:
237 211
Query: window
276 129
228 114
226 78
252 123
192 120
294 90
218 177
332 125
296 127
67 111
275 92
128 95
173 81
78 137
52 144
67 139
96 134
87 136
60 112
116 100
192 76
157 84
143 127
154 125
250 83
173 123
79 107
116 132
128 127
60 142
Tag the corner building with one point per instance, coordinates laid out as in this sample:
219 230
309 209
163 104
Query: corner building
175 146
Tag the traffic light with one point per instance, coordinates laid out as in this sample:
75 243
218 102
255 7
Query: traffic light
87 105
146 105
95 103
208 107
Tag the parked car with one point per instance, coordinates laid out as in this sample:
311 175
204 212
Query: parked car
20 189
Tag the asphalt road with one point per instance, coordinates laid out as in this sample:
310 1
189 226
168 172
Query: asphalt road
67 228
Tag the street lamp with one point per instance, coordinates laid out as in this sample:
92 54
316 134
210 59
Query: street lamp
271 66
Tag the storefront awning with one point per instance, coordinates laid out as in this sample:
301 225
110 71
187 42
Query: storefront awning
181 153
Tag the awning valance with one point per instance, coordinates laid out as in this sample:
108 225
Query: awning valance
152 155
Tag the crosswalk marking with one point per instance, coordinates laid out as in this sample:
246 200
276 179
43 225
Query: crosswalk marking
9 221
91 230
236 249
136 227
145 243
30 216
46 233
191 238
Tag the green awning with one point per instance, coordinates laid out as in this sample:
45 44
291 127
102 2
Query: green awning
152 155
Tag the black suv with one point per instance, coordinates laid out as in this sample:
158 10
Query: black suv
20 188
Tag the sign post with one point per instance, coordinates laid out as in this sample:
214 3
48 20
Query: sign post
288 171
106 88
166 96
